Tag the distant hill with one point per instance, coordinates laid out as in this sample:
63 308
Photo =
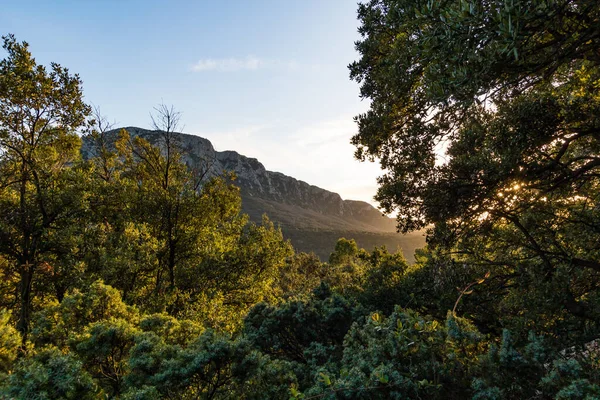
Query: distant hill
311 217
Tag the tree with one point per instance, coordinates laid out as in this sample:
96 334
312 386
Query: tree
50 374
301 274
167 181
484 115
170 237
212 366
173 202
148 214
308 333
56 323
9 342
40 190
405 356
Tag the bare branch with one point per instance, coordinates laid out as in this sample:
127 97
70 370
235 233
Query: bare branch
100 121
166 118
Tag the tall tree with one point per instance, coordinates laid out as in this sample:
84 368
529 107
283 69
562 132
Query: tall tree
171 190
40 190
167 234
484 115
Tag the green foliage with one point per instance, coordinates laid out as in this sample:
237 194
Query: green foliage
300 275
57 323
250 264
345 251
534 370
171 330
9 342
431 70
345 272
231 278
307 333
50 375
104 349
384 285
41 181
144 393
406 356
212 366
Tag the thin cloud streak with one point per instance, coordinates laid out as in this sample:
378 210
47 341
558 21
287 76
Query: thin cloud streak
228 64
249 63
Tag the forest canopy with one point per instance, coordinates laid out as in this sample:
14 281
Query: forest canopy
127 274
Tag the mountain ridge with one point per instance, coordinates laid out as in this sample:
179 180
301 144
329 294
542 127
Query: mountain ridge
300 208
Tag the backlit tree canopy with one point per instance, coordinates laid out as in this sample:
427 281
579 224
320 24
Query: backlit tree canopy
485 116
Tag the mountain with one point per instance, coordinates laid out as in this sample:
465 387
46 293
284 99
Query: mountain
311 217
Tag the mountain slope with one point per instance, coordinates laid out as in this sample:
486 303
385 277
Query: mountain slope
311 217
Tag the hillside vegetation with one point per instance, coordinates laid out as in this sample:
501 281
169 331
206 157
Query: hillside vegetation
129 274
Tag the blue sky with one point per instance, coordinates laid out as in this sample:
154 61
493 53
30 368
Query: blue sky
268 79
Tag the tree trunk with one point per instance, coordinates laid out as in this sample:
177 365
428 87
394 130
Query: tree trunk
26 272
172 265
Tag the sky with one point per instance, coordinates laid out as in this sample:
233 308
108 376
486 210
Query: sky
268 79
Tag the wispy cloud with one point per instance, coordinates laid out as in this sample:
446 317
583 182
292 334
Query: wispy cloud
249 63
228 64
